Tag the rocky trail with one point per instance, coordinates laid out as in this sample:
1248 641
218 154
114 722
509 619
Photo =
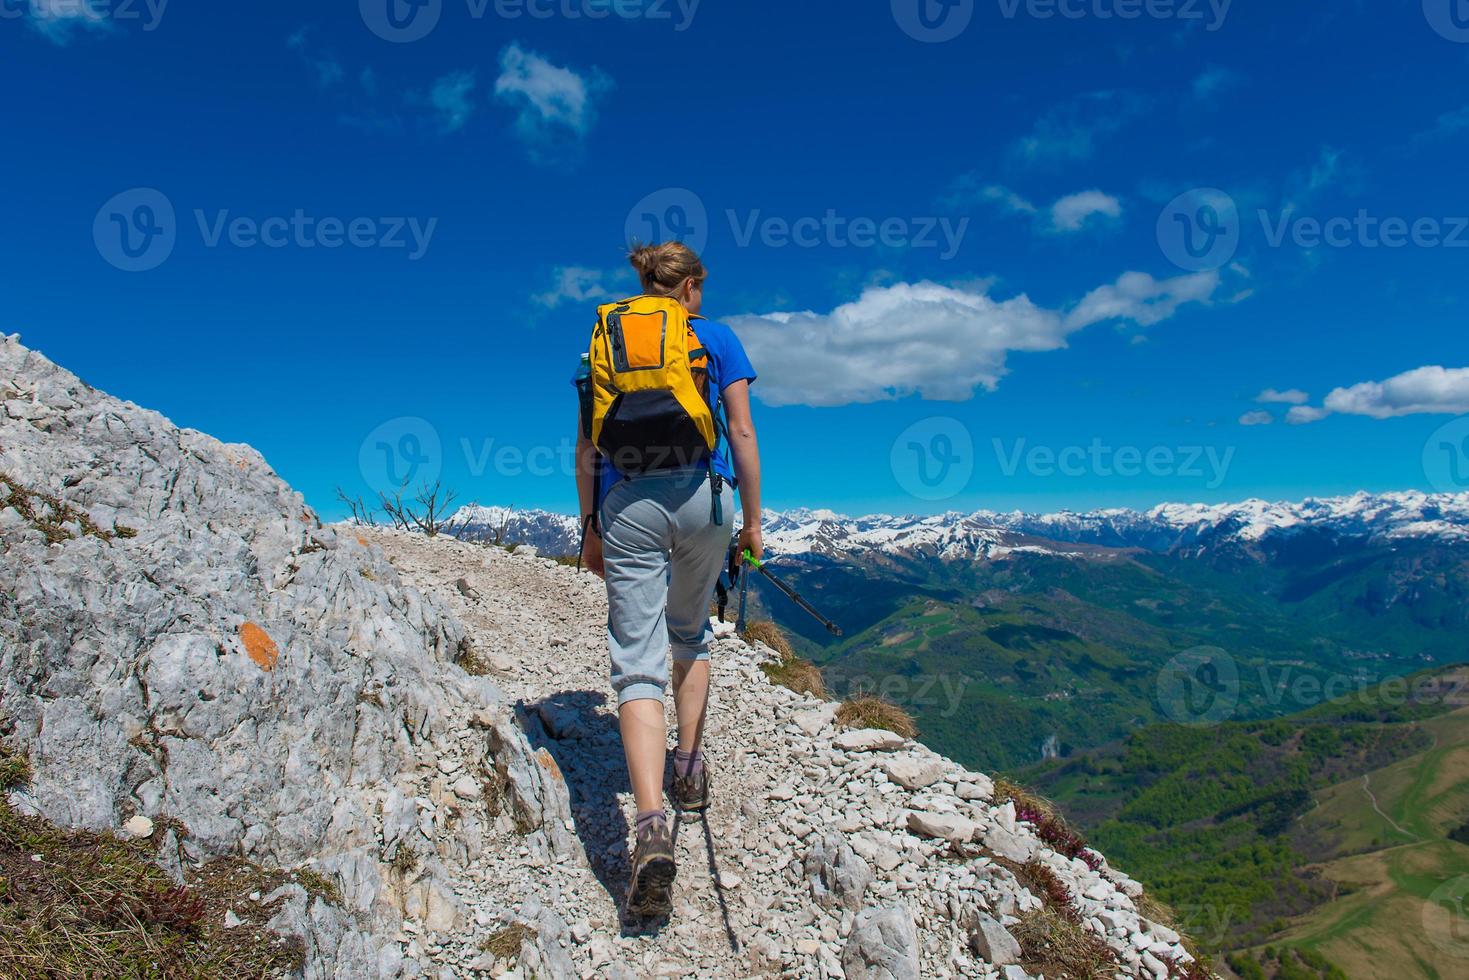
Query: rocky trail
425 728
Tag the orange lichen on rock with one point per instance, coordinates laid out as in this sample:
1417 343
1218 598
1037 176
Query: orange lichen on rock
548 763
259 646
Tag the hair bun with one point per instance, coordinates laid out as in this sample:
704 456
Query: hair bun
664 267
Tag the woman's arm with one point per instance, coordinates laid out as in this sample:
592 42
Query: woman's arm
746 449
586 473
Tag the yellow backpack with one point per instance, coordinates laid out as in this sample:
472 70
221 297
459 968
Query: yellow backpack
649 382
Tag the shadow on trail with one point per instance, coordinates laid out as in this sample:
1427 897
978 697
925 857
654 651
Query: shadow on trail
579 729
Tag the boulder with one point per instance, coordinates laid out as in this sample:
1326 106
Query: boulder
991 941
912 773
868 740
838 877
945 826
883 945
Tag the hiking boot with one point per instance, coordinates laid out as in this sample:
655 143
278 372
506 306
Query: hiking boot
691 792
650 893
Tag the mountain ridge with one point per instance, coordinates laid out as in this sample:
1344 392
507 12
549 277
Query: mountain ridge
1164 528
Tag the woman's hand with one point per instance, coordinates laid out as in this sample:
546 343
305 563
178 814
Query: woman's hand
753 541
591 556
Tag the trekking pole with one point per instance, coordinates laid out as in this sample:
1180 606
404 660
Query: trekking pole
785 590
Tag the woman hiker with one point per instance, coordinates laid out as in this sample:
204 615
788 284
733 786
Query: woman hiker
659 389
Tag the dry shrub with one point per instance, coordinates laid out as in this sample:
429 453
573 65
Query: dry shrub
1062 947
772 636
1025 799
505 944
76 903
801 676
870 711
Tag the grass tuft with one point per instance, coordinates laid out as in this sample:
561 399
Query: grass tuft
1062 947
319 885
52 516
791 671
81 904
772 636
505 944
870 711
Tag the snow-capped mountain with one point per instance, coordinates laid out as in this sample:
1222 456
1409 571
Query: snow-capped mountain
1165 528
548 533
991 535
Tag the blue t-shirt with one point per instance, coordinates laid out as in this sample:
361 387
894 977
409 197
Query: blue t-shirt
728 364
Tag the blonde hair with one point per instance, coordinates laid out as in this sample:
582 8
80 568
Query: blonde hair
664 268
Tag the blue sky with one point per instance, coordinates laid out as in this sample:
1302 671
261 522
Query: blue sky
984 257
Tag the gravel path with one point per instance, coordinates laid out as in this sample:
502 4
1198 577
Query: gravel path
825 853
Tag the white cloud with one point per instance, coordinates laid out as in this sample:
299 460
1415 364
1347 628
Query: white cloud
1070 132
940 342
328 69
60 21
1304 414
1256 418
579 284
1423 391
969 190
1293 396
451 99
1071 212
1213 81
1138 297
557 106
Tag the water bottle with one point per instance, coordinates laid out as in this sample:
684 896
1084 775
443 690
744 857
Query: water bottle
583 382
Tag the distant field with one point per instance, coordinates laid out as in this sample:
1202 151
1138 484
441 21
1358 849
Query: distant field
1377 929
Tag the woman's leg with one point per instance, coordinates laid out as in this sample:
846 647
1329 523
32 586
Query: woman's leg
691 702
635 545
645 743
699 551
